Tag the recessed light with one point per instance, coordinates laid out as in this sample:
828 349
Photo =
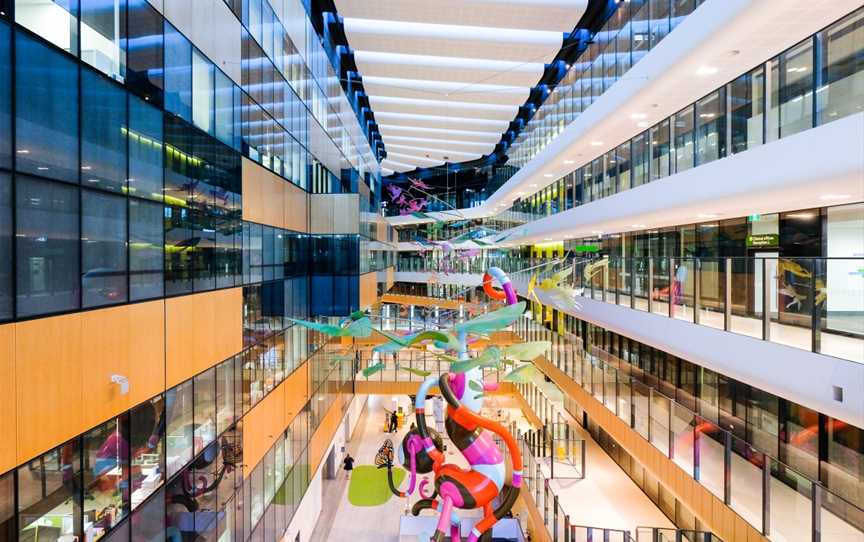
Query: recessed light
532 185
23 151
547 175
637 116
643 124
569 162
597 232
799 215
706 215
707 70
829 197
596 143
637 225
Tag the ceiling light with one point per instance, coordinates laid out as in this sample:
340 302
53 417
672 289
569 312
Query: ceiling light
637 116
799 215
643 124
637 225
532 185
23 151
568 162
597 232
520 193
707 70
547 175
596 143
547 239
830 197
706 215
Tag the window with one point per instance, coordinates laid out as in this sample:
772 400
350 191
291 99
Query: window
6 231
179 242
49 496
47 256
145 150
178 74
792 92
145 250
46 102
711 127
103 133
53 20
224 395
103 249
181 164
842 79
103 36
148 522
226 255
224 109
205 409
640 159
106 477
622 156
7 507
659 21
660 150
747 110
683 134
147 442
5 97
202 257
144 73
202 92
180 427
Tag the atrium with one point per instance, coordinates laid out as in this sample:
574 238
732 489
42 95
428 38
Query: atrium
431 270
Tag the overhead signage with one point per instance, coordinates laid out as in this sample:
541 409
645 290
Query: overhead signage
764 240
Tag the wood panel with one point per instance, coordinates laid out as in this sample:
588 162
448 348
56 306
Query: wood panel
8 410
296 209
296 392
324 434
146 350
49 383
105 346
262 425
334 213
253 191
201 331
710 510
368 289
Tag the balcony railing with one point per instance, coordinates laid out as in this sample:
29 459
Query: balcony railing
815 304
780 500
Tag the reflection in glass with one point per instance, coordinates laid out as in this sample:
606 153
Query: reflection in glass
103 249
106 477
49 495
53 20
179 427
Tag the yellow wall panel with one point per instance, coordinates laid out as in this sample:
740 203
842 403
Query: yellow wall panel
8 436
264 422
146 350
296 392
105 346
48 374
368 289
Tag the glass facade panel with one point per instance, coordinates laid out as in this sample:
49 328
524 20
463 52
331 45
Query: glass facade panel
145 250
841 82
145 150
180 427
106 477
47 248
103 249
746 107
103 133
711 127
145 56
660 150
49 496
795 90
53 20
7 292
202 92
682 127
178 74
147 444
205 409
179 241
103 36
5 96
46 109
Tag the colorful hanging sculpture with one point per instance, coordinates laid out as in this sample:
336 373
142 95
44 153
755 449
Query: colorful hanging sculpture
463 389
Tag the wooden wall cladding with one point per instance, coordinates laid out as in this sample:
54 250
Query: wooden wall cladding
270 199
368 289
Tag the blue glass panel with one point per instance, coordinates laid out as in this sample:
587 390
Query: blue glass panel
46 101
145 150
6 292
47 247
103 133
179 245
178 73
5 97
144 71
103 249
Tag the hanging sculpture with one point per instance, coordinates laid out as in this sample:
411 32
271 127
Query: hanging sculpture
463 387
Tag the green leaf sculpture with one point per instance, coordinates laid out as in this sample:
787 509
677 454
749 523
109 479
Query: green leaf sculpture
474 385
494 320
489 358
410 340
358 328
526 351
372 369
522 374
419 372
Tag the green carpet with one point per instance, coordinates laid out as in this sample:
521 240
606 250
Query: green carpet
369 487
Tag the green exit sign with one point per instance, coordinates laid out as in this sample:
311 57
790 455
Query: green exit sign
764 240
754 218
586 248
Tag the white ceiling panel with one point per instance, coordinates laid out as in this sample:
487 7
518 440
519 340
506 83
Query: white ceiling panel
527 14
446 77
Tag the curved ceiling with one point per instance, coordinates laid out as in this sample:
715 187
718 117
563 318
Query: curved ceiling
445 78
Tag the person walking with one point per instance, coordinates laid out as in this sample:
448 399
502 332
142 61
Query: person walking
394 422
348 465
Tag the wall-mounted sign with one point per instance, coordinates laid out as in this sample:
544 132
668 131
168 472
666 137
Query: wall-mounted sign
586 248
764 240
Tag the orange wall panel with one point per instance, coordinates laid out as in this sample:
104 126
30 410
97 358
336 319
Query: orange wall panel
296 208
324 434
49 381
296 392
8 436
146 350
264 422
368 289
105 346
228 326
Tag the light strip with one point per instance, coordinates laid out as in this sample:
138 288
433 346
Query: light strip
493 137
406 29
494 124
447 88
421 102
467 155
434 61
445 142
